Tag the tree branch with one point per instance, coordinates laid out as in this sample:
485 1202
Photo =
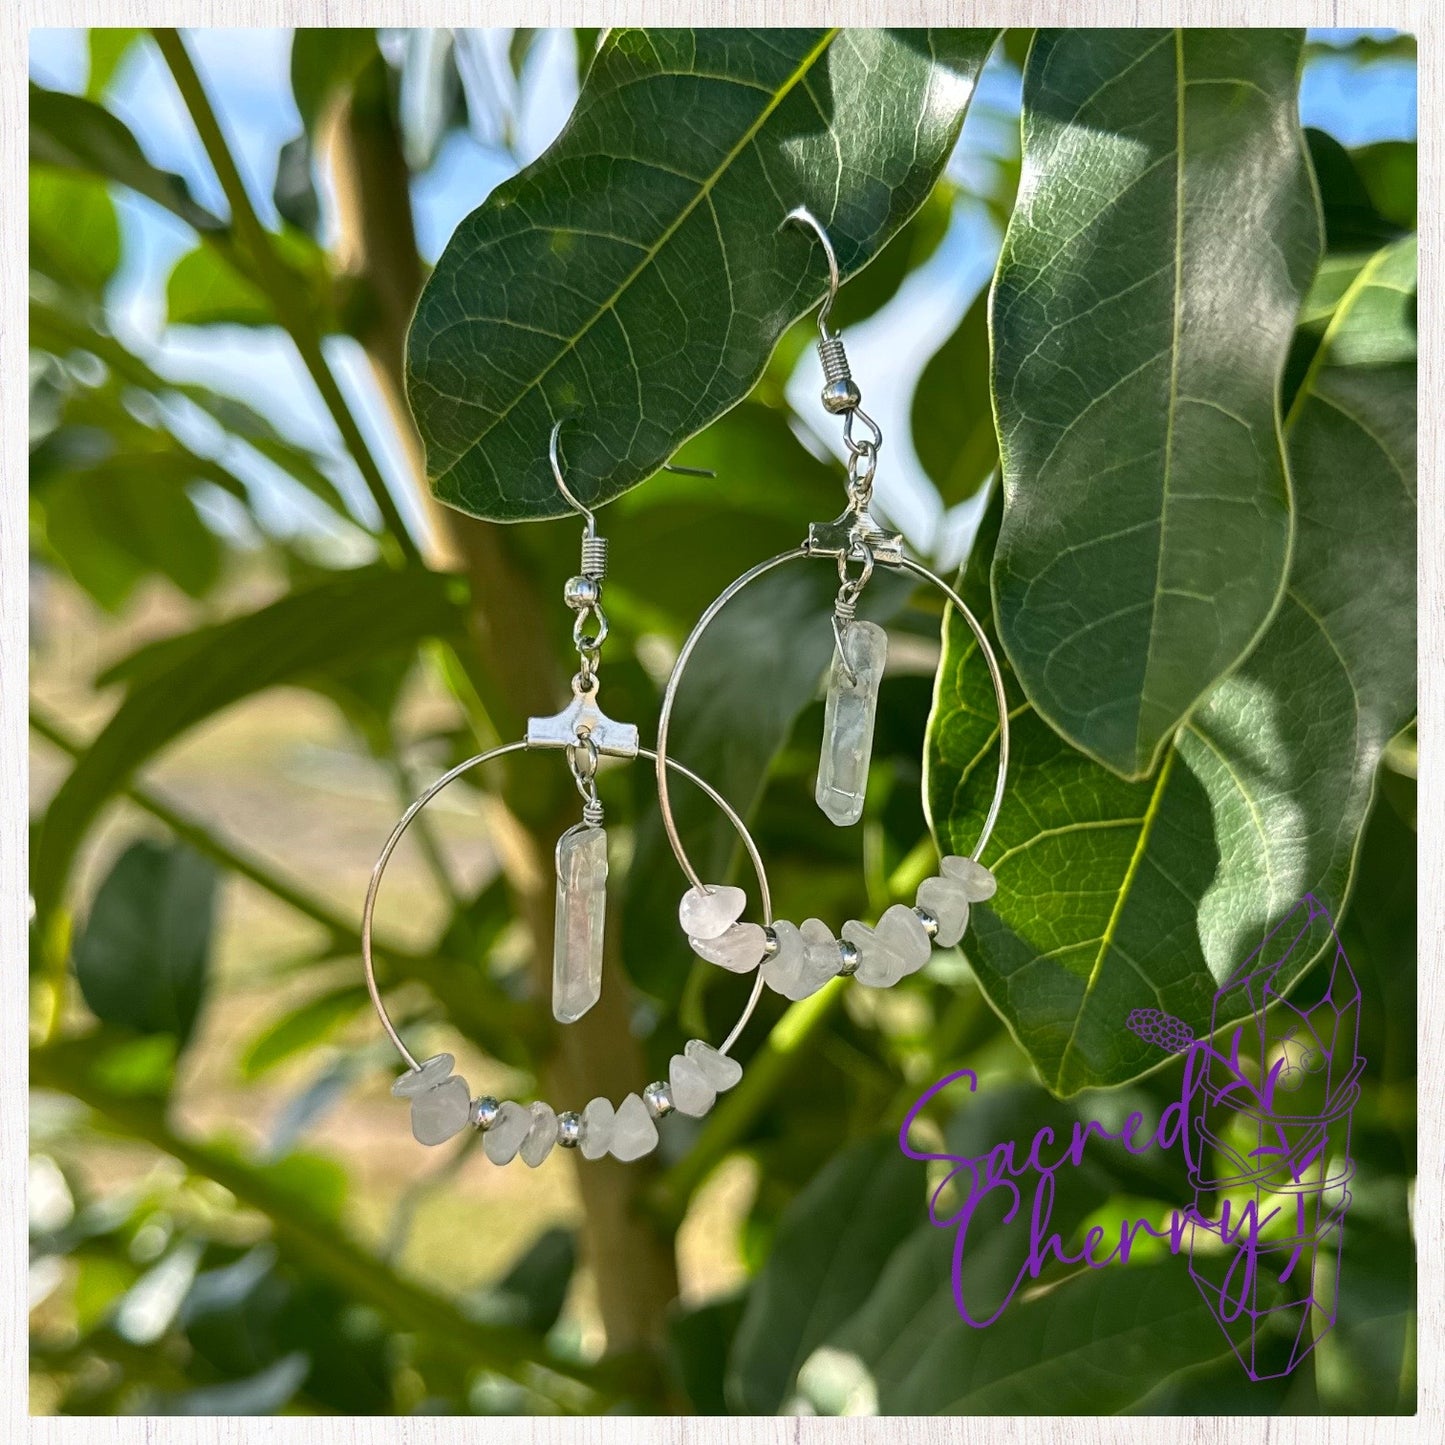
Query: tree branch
292 310
483 1014
631 1254
316 1242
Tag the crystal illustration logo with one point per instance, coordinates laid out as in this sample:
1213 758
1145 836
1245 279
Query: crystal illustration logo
1263 1124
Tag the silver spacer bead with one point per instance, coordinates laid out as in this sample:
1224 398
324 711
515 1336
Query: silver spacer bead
851 958
658 1098
581 593
929 922
484 1112
569 1129
840 396
770 943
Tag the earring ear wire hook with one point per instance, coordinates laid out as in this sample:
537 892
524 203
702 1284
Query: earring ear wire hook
555 457
801 216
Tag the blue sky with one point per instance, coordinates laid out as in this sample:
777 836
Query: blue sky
247 72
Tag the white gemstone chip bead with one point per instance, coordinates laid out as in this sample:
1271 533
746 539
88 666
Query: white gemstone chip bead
978 883
441 1102
691 1093
541 1134
581 922
598 1119
739 949
711 914
848 720
509 1128
719 1070
427 1075
633 1133
899 945
806 959
946 900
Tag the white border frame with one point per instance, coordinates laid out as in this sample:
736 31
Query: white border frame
1422 17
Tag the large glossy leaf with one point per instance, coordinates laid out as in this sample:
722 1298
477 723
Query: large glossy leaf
334 626
1115 895
142 956
1165 234
831 1246
635 279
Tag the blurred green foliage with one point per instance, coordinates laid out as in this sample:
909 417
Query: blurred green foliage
185 1271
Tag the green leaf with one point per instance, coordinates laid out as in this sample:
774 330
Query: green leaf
142 957
57 329
636 278
302 1028
204 288
1363 48
1390 170
1171 883
698 1344
830 1248
109 46
127 518
1090 1345
293 192
74 234
952 415
531 1293
1353 221
1165 234
336 625
76 134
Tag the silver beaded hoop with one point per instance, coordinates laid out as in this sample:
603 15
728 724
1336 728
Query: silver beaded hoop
442 1105
797 961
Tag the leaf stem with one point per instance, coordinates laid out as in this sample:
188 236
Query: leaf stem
276 279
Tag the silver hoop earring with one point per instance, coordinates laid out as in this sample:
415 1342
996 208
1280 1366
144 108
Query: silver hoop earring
797 961
441 1102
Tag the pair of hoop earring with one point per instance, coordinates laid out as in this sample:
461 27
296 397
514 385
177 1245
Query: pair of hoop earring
794 960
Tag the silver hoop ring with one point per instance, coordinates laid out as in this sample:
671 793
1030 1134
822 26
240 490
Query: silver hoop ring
669 698
369 907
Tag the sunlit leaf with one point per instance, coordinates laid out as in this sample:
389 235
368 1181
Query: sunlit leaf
1165 234
641 293
1173 882
74 234
109 46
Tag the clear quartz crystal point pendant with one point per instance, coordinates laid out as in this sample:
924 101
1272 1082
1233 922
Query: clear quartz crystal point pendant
853 683
581 921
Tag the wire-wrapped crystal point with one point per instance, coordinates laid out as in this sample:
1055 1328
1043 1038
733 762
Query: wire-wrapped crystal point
853 684
581 922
